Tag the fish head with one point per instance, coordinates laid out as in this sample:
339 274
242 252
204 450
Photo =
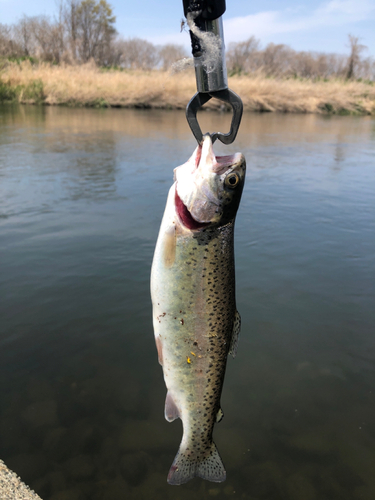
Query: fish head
209 187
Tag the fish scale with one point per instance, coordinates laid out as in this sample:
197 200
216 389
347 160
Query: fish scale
194 310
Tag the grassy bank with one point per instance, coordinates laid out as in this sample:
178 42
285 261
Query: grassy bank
89 86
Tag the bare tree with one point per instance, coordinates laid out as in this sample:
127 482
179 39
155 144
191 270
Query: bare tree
24 36
48 37
95 29
69 15
138 54
277 59
366 68
355 55
282 61
40 37
241 57
7 46
169 54
85 29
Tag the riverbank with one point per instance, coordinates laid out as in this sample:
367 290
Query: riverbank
90 86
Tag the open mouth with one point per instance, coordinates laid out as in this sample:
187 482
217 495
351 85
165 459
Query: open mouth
185 216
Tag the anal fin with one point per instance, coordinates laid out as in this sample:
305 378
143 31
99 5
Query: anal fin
235 334
219 415
159 348
171 411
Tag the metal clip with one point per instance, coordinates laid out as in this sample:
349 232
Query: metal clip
199 99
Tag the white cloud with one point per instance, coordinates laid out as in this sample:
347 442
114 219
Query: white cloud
332 15
265 24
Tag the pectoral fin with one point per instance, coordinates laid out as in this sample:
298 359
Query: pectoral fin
171 411
235 334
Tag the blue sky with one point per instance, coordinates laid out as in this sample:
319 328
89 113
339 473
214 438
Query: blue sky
304 25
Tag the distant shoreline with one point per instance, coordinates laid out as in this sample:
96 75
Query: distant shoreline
89 86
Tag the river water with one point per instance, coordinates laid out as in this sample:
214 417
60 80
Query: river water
82 193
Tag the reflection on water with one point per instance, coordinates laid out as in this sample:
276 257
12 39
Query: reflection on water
81 410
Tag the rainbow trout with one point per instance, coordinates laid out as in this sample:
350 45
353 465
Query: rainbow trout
195 320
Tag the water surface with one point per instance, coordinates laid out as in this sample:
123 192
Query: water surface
82 194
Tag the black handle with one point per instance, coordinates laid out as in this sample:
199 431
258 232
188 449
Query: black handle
211 9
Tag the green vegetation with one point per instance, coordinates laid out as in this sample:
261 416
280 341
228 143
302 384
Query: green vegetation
8 93
31 92
20 59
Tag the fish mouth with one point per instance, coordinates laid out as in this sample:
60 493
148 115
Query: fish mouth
185 216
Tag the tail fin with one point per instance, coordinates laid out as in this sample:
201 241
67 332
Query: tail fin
185 468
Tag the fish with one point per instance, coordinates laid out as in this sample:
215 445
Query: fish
195 320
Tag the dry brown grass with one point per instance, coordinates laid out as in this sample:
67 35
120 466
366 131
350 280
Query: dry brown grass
89 86
305 96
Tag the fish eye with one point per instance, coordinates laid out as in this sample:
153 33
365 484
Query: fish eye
232 180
